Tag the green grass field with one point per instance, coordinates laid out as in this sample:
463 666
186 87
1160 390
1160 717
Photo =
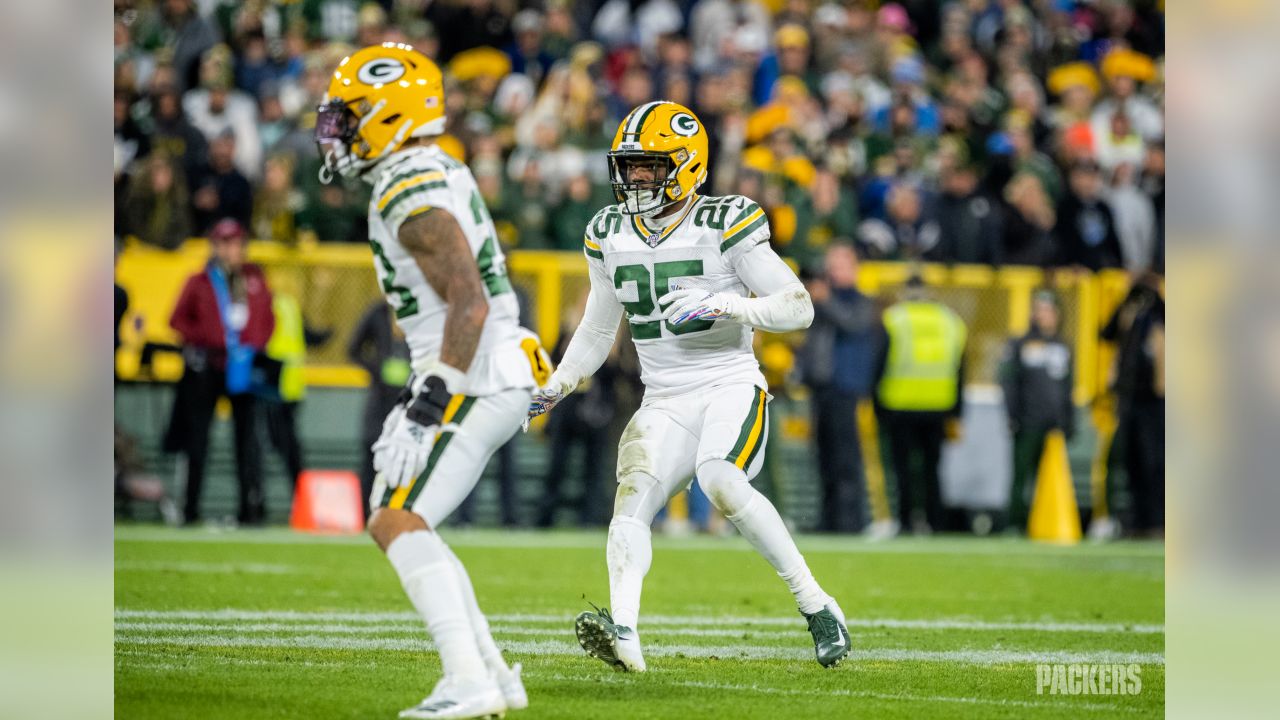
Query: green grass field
270 624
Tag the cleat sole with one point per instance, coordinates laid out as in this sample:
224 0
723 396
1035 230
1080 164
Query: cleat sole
597 640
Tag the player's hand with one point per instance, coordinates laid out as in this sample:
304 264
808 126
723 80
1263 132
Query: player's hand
687 305
409 431
546 398
401 453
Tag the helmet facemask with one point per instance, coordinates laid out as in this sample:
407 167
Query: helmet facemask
337 129
645 198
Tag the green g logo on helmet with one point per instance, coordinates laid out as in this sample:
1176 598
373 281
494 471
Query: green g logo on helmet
684 125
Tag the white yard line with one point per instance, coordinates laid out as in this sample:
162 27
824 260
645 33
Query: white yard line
677 622
567 647
416 627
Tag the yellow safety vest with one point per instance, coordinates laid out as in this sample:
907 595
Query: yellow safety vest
926 342
288 344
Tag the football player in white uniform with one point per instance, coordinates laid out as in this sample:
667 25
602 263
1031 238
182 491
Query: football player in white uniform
682 268
438 262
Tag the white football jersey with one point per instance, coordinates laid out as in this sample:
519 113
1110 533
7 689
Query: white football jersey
416 180
698 250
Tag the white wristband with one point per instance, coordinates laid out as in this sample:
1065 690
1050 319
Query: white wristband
454 379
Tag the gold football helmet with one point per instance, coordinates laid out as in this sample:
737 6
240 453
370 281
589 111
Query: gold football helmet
379 97
669 137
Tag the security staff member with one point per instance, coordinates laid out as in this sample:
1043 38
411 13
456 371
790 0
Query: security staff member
920 373
288 348
1037 379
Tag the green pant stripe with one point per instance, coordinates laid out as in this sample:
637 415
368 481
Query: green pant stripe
745 433
438 450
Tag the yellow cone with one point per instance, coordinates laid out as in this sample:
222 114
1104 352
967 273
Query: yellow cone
1054 515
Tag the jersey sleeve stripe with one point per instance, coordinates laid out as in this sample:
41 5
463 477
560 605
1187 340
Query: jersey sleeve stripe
587 241
403 185
416 191
733 239
593 253
748 211
744 220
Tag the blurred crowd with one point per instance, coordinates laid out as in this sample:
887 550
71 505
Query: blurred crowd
1024 132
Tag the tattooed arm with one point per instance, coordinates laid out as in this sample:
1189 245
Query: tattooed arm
436 242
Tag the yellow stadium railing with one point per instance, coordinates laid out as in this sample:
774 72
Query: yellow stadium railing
335 283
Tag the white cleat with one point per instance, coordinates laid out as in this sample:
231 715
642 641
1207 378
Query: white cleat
459 699
508 679
627 648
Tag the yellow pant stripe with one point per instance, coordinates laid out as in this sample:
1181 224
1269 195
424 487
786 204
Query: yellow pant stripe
402 492
754 438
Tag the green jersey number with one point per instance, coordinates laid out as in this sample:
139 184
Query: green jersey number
405 303
645 301
492 271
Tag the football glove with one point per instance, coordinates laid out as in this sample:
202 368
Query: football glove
546 397
408 434
687 305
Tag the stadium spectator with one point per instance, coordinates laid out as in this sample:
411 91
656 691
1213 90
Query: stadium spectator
378 346
224 319
277 202
169 130
1037 378
919 377
970 224
836 364
827 211
1134 214
1029 219
220 190
527 55
156 209
217 109
332 217
131 141
185 35
1086 229
471 24
909 231
1124 70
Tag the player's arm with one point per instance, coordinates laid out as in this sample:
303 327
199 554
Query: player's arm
781 303
436 243
591 342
